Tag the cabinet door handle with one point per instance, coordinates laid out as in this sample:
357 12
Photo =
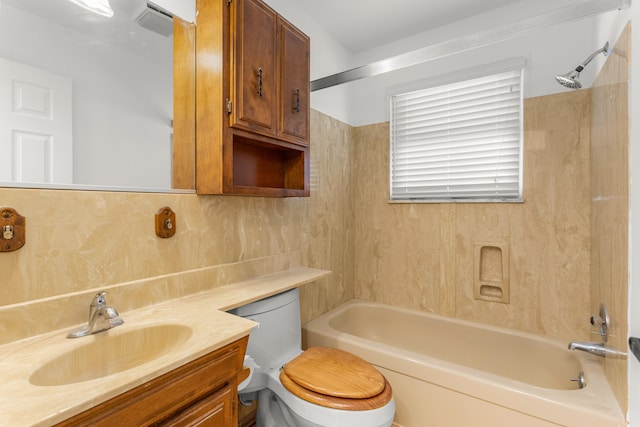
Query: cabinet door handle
296 103
260 81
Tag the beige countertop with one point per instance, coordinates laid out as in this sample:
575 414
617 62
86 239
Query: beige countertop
25 404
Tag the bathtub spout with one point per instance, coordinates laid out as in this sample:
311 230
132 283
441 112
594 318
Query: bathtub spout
597 348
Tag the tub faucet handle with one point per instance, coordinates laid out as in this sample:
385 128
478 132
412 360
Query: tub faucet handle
602 322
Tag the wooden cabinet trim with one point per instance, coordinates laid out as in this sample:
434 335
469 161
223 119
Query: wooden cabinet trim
212 90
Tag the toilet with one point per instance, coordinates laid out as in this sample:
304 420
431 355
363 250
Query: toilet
318 387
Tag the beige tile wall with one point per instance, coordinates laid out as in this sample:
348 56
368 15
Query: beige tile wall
79 240
328 233
421 255
610 203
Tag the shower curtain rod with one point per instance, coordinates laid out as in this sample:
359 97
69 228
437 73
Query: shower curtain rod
465 43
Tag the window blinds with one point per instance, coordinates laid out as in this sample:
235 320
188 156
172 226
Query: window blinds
458 141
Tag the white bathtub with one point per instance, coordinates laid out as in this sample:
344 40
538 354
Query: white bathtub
449 372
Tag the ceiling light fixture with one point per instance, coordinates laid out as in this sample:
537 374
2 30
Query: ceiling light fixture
101 7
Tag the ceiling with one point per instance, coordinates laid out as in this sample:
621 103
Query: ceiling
364 24
358 24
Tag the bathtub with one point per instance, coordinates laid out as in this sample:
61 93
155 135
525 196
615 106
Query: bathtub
450 372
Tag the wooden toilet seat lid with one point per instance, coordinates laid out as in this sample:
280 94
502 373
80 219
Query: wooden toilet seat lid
344 404
333 372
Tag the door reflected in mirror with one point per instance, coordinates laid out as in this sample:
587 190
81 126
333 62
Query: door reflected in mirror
87 101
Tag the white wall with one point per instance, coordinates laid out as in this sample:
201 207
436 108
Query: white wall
548 51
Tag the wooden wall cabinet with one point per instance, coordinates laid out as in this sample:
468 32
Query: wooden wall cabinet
252 101
201 393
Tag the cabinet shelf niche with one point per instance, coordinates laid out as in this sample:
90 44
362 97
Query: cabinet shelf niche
265 169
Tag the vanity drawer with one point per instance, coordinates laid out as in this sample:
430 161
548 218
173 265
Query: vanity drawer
209 380
215 410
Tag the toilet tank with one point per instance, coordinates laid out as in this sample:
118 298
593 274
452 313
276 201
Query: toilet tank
277 339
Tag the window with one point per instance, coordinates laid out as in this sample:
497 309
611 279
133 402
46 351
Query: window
458 142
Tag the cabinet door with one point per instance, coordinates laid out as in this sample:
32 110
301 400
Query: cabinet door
254 50
293 102
213 411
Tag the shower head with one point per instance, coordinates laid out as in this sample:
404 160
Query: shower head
572 78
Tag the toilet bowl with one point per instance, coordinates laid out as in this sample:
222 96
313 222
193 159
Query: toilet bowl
319 387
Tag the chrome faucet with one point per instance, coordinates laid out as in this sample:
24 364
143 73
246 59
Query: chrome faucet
597 348
602 322
101 318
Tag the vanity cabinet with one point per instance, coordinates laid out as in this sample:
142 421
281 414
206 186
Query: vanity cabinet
200 393
252 101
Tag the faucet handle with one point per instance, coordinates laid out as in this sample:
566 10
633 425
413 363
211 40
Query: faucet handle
111 314
602 322
99 300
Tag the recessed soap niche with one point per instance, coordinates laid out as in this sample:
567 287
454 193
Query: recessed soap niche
491 272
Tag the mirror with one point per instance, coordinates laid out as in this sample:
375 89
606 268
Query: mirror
87 101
